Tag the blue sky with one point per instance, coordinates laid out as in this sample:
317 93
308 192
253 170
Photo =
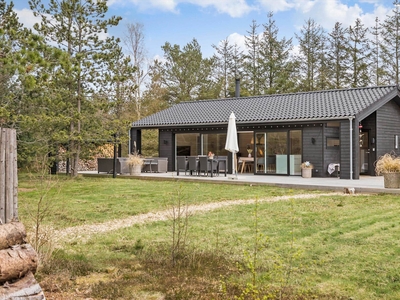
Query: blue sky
210 21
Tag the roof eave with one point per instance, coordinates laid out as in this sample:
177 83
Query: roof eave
247 122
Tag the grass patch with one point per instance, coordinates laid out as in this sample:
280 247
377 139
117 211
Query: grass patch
332 247
94 200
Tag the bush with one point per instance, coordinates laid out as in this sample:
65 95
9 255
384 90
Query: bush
388 163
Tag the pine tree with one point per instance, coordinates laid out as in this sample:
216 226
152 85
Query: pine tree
338 56
251 67
225 67
390 45
75 26
360 54
274 59
311 40
186 74
376 68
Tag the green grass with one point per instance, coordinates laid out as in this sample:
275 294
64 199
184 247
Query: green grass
89 200
336 247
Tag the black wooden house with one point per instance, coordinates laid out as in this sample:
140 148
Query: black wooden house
347 127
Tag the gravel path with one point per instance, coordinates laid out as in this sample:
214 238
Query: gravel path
84 232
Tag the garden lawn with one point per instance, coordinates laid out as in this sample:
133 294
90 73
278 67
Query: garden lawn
88 200
331 247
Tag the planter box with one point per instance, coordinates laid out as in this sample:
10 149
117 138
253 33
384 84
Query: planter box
391 180
135 170
306 173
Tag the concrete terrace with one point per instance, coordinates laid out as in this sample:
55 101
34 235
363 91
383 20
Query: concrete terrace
366 184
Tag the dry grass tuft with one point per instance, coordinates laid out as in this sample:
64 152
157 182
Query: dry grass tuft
388 163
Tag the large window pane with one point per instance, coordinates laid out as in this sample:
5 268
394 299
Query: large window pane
277 151
295 152
214 143
262 164
187 144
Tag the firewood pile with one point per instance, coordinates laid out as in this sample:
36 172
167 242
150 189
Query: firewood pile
18 263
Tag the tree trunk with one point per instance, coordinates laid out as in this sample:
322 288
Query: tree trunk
12 234
16 262
25 288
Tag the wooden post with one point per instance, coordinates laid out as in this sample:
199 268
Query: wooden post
18 260
8 176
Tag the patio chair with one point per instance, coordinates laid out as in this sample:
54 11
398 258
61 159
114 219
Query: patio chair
205 165
222 164
260 164
193 165
182 164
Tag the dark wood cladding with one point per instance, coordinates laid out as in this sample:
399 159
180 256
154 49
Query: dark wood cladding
331 154
387 126
167 147
345 149
313 141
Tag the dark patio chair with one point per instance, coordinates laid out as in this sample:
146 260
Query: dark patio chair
181 164
205 165
193 165
222 164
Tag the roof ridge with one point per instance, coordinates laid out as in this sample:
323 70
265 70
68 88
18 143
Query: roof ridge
291 93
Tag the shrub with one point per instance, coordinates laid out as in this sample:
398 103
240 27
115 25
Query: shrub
388 163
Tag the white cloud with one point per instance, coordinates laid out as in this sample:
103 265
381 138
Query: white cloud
234 8
276 5
327 12
238 39
26 17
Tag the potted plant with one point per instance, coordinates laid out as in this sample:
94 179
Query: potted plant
249 150
306 169
389 166
135 163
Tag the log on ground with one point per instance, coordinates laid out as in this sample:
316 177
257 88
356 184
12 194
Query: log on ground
25 288
17 261
12 234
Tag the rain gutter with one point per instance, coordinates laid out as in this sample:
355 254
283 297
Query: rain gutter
244 122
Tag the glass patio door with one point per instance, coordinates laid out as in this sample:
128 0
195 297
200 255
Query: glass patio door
295 152
278 152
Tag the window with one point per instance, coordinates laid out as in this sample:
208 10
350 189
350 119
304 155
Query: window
332 142
333 124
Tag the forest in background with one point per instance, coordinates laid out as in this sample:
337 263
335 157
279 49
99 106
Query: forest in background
65 84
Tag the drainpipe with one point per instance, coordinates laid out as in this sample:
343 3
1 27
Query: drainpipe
351 147
129 141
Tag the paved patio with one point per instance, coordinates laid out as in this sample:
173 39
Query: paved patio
366 184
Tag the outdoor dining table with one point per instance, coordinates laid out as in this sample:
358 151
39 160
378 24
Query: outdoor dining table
244 160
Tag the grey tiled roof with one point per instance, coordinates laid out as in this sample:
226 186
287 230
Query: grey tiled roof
329 104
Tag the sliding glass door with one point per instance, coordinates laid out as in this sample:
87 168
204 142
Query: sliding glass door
278 152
